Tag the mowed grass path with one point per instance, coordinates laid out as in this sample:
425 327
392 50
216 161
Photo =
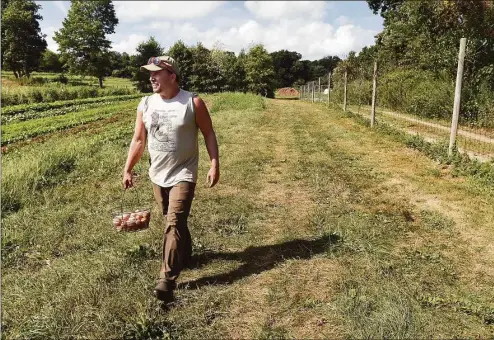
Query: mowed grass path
319 228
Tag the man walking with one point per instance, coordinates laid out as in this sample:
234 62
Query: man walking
169 121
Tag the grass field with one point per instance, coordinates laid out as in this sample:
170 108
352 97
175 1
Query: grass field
319 228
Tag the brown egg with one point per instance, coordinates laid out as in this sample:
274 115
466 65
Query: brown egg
145 214
125 217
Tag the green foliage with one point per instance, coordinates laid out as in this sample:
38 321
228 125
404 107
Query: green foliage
417 53
50 62
381 6
260 71
417 92
51 93
206 75
22 41
82 39
284 65
226 63
145 50
120 65
183 55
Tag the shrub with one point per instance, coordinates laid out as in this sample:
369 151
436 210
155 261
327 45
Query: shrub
61 78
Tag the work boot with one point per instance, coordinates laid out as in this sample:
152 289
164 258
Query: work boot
164 290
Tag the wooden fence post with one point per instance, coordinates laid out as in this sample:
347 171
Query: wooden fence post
319 96
329 85
313 92
374 87
456 105
344 93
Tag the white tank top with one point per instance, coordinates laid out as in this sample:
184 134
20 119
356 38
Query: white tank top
171 137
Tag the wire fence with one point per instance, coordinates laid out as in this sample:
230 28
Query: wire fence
427 110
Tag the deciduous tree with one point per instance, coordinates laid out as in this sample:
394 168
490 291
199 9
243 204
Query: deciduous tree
82 39
22 41
260 71
145 50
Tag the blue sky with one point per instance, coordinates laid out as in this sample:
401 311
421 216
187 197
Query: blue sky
314 29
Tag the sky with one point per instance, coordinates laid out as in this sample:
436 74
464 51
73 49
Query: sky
314 29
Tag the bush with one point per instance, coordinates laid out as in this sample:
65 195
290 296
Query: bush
61 78
52 95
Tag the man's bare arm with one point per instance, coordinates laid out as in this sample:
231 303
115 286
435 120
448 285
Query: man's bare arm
203 120
136 149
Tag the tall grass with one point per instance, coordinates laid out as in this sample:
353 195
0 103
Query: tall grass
420 93
236 101
51 93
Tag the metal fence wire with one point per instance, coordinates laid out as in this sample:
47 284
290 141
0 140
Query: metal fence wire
427 110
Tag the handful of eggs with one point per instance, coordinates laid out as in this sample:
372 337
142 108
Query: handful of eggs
132 221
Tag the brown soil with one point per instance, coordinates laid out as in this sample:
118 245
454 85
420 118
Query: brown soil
287 91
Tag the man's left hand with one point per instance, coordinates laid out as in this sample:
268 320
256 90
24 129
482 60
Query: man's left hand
213 176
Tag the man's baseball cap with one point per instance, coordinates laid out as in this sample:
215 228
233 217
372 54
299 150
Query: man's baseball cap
162 62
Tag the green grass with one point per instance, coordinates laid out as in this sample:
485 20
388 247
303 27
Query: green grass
304 236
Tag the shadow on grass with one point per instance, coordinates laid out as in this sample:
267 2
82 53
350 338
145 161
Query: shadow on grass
258 259
288 98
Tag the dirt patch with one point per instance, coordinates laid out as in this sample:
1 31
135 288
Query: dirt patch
287 92
9 83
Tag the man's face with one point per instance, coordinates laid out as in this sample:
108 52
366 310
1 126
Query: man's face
160 80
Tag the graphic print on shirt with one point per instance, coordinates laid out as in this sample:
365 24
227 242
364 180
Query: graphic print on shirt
162 138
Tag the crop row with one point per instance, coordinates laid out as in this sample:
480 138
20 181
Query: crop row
16 109
20 95
32 128
60 111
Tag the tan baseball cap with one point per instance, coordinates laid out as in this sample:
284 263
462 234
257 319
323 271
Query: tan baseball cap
160 63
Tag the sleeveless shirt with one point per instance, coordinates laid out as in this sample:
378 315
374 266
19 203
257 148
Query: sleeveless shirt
171 137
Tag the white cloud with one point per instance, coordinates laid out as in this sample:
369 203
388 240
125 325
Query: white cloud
135 11
313 39
130 43
343 20
287 9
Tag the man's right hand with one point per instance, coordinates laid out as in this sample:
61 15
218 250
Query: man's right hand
127 180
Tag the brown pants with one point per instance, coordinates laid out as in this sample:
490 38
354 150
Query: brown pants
177 243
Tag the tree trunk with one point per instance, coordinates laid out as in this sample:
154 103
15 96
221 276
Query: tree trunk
100 78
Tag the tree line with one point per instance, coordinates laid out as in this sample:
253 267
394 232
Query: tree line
85 50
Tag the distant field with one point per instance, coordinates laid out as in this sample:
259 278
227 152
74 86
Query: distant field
44 88
9 78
